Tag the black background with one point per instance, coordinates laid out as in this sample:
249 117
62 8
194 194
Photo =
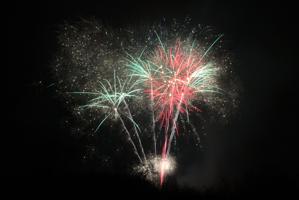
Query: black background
38 153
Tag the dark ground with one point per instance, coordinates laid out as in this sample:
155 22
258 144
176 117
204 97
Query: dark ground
41 156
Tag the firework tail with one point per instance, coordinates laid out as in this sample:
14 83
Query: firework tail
130 138
164 156
173 128
167 143
136 132
153 120
195 132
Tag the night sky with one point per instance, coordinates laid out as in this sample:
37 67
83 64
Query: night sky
255 154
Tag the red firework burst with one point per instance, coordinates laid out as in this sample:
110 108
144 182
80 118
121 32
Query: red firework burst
170 88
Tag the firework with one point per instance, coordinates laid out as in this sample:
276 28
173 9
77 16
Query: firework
111 100
168 72
173 77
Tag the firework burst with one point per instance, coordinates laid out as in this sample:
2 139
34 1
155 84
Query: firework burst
173 77
111 100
